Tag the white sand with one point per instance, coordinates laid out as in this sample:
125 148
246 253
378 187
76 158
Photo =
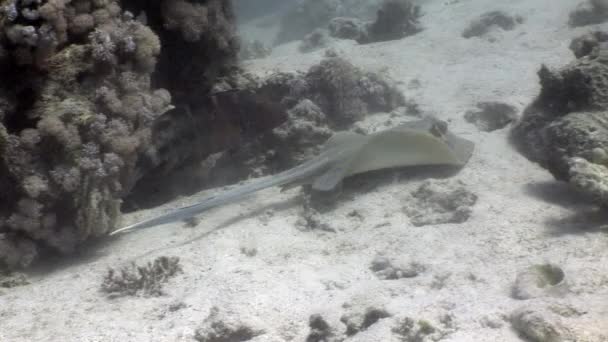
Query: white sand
522 217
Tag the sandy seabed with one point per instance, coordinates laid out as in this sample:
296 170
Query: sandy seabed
249 268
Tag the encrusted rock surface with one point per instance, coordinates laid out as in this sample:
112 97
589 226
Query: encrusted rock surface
566 128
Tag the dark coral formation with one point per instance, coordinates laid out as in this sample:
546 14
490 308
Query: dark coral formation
490 20
589 12
363 20
349 19
346 93
145 280
320 330
357 321
566 128
395 19
100 95
348 28
79 101
585 44
490 116
333 94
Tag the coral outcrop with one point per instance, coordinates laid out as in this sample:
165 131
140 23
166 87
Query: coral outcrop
585 44
589 12
489 21
331 95
566 128
342 91
351 19
348 28
78 103
307 15
490 116
395 19
100 95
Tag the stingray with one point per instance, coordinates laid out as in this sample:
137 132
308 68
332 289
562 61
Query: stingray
416 143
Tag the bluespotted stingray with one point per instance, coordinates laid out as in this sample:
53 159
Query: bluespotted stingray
416 143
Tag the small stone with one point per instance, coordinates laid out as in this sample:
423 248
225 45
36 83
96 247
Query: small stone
538 281
491 116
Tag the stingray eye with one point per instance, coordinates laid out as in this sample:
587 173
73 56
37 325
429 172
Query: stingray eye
439 128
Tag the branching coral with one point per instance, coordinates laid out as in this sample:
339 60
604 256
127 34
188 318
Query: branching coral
333 94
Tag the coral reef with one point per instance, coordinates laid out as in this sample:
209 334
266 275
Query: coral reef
566 128
589 12
346 93
99 97
136 280
331 95
490 20
80 99
223 121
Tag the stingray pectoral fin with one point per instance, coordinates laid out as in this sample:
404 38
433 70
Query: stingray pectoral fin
340 139
460 147
411 146
331 178
429 134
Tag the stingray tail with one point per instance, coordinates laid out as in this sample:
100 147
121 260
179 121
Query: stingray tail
303 171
